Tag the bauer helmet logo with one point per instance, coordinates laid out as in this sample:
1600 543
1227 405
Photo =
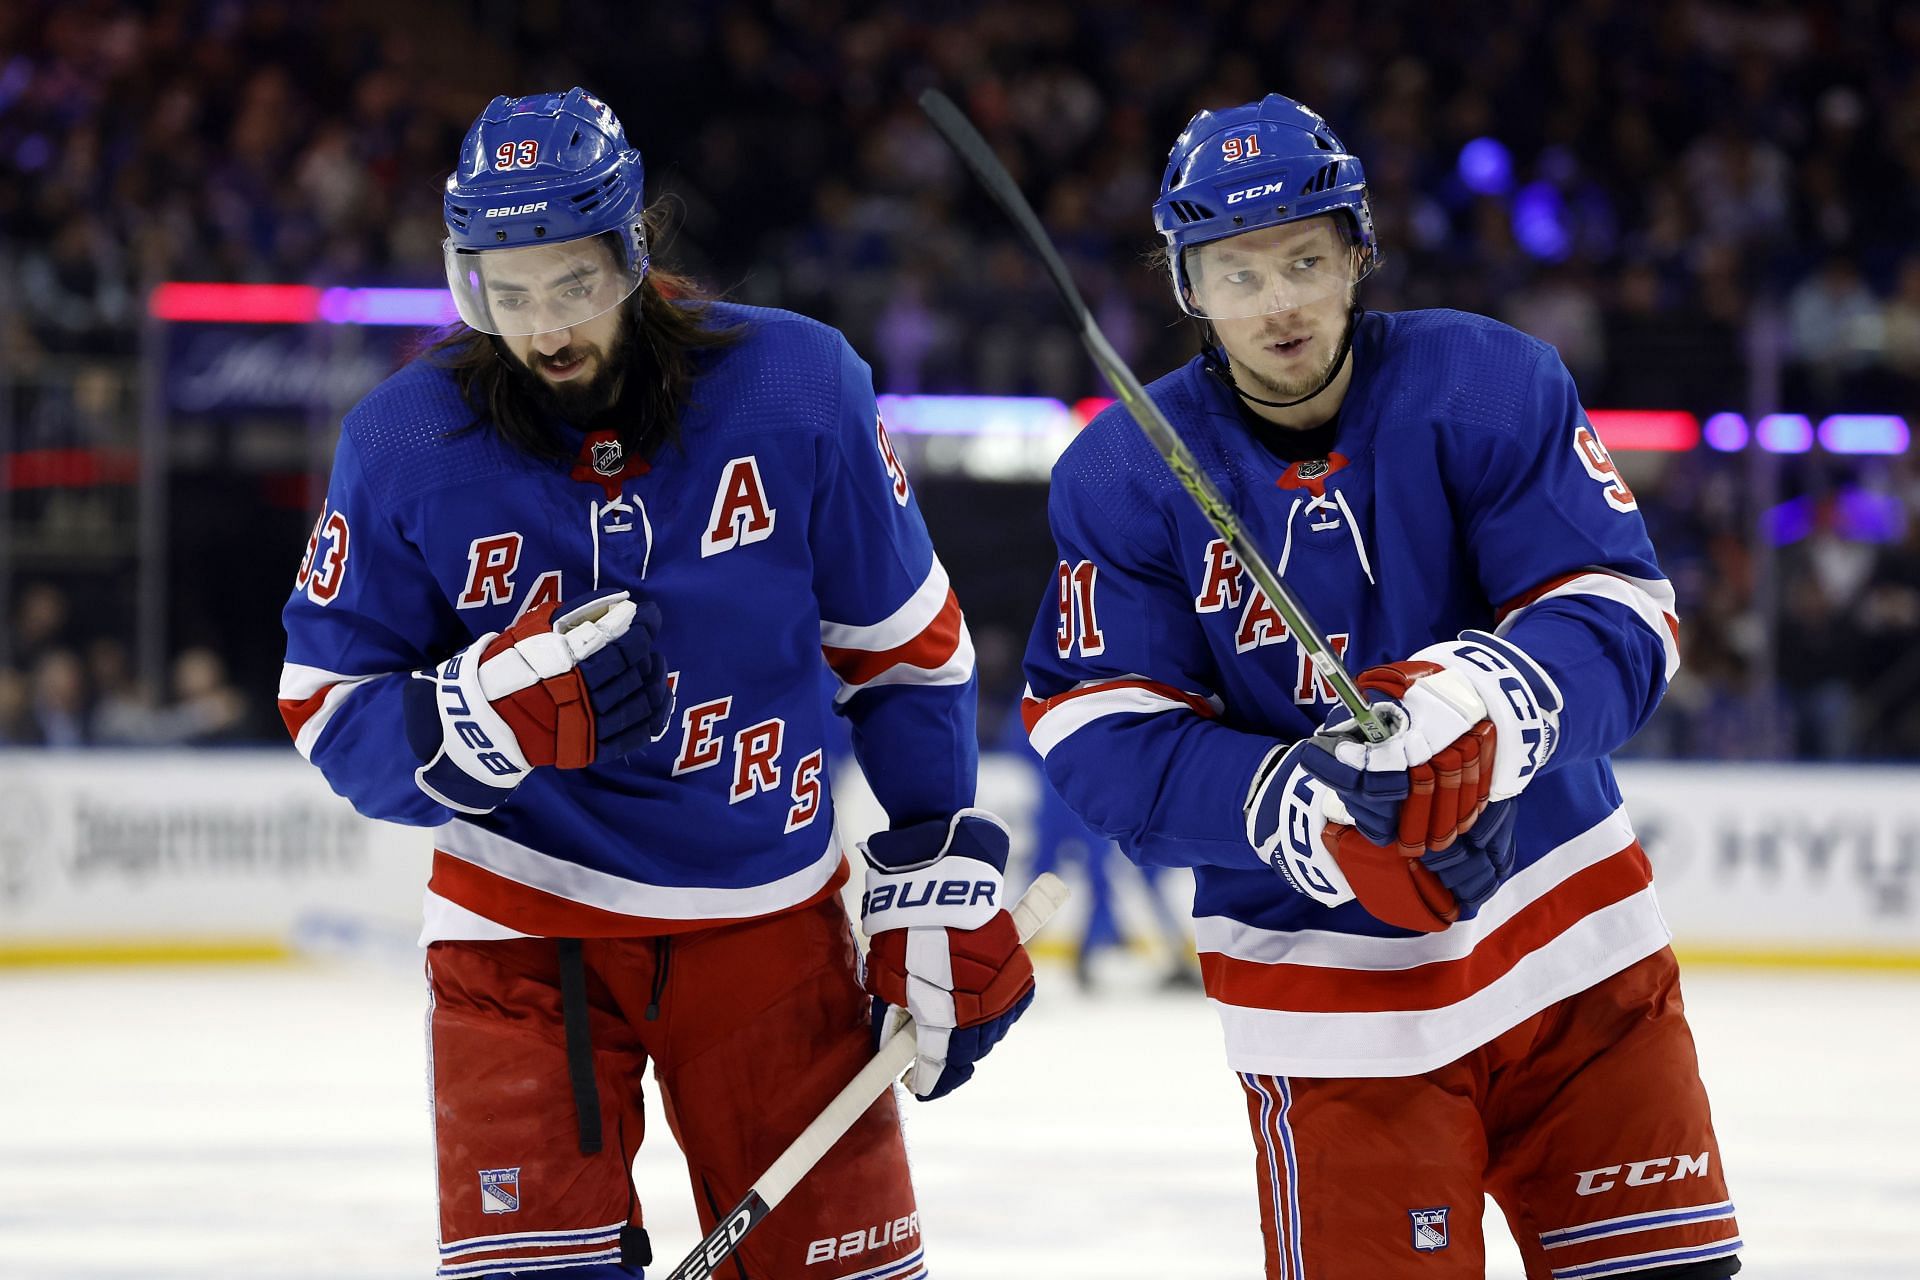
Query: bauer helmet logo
1254 193
515 210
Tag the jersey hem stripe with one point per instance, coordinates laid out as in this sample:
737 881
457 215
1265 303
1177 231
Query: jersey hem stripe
1322 948
1439 984
523 890
1405 1043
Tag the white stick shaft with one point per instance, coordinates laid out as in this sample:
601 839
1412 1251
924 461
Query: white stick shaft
1034 909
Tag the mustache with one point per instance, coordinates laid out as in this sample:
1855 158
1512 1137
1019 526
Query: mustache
564 356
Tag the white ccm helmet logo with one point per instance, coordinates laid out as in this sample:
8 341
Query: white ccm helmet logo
1254 193
515 210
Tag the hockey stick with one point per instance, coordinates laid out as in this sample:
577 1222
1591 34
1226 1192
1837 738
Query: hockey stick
1035 908
973 149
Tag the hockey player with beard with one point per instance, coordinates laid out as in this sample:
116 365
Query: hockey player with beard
584 575
1438 960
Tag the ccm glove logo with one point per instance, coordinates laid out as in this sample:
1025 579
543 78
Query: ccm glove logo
1303 864
1520 697
1286 818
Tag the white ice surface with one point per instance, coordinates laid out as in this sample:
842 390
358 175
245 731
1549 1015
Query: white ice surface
250 1122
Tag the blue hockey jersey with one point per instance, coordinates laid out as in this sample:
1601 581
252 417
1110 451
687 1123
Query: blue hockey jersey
1465 488
794 576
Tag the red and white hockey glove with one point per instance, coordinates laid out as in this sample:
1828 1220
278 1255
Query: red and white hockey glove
565 685
1419 827
944 948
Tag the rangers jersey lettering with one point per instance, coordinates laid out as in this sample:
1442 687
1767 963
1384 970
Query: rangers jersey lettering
794 578
1468 489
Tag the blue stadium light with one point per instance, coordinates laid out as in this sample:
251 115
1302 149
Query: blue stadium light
1866 516
975 415
1789 522
1863 433
1540 222
426 308
1784 433
1859 515
1726 432
1486 167
33 154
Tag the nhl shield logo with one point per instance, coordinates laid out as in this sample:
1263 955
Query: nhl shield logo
608 457
1312 474
499 1190
1429 1229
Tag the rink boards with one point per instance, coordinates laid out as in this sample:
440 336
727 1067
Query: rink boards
247 854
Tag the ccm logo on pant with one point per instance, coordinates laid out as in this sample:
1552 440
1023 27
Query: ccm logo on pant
1642 1173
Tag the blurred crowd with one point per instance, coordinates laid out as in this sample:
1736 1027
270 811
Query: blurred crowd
1704 206
71 687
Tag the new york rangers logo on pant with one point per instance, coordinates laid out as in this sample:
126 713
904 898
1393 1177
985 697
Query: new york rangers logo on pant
1429 1229
499 1190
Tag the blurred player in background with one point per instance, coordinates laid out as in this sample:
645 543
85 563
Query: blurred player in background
1438 960
1064 844
569 602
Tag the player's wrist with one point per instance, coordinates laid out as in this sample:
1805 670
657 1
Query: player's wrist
944 873
470 760
944 949
1287 810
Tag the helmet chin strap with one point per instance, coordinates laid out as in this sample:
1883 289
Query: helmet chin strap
1218 366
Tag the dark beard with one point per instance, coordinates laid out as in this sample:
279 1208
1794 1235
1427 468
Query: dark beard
579 401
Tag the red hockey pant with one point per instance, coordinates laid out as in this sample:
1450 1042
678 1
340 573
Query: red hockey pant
1587 1123
757 1027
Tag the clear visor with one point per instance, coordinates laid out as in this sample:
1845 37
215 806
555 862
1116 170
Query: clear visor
540 288
1241 276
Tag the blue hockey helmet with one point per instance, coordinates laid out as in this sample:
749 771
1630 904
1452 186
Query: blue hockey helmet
544 215
1260 165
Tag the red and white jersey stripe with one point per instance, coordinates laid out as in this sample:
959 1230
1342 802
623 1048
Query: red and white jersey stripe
310 697
1288 999
1051 720
485 885
1649 598
923 642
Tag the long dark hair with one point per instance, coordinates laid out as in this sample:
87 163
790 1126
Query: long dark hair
669 323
